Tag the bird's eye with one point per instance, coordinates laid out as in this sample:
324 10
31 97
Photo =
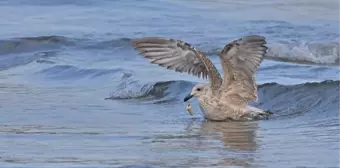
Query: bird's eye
198 89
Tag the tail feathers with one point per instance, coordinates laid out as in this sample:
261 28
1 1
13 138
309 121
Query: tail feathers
268 112
257 113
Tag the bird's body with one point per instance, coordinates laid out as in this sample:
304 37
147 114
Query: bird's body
221 99
215 111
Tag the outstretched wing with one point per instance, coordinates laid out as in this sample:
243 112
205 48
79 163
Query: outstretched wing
240 59
179 56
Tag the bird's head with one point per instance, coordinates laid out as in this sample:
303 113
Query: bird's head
197 91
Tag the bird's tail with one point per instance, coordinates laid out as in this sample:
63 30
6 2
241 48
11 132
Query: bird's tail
268 112
258 113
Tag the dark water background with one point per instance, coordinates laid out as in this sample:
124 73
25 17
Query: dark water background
59 60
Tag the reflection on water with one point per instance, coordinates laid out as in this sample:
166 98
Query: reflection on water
235 142
236 136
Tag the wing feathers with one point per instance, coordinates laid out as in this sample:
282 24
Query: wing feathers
240 60
178 56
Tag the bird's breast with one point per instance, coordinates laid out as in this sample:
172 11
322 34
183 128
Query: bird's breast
211 111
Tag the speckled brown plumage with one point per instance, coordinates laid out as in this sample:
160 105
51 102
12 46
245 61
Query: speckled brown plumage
223 99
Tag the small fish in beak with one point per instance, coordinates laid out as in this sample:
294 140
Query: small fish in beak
189 109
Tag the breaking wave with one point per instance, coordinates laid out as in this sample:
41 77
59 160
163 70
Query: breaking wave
23 50
305 52
319 98
300 52
158 92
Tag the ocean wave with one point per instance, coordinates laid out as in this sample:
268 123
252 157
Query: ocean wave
299 52
7 62
158 92
33 44
314 98
65 72
326 53
54 42
108 44
24 50
305 52
286 101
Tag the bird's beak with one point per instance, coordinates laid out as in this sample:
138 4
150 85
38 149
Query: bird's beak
189 96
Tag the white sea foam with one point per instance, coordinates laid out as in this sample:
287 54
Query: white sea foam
318 53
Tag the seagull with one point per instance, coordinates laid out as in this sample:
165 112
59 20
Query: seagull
222 99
